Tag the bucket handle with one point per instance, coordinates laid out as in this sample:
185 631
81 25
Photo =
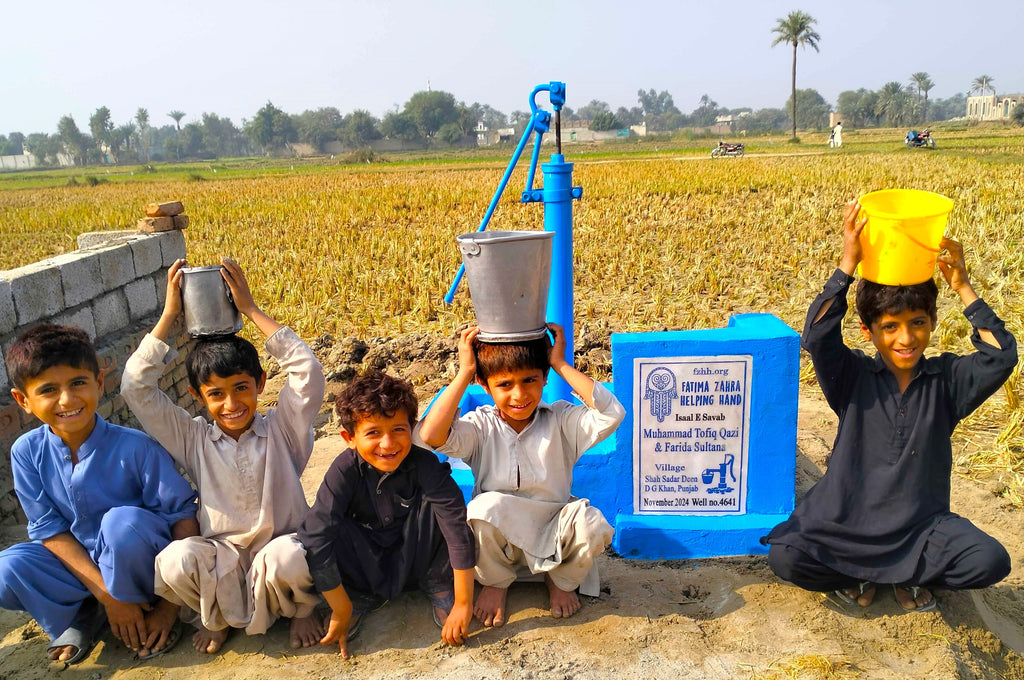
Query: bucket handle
917 243
469 247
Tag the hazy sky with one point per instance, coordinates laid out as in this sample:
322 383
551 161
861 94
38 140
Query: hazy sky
230 58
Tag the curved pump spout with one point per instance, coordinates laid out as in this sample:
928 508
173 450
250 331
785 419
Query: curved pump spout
540 121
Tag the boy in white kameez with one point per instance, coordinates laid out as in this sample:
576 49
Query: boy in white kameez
247 568
522 452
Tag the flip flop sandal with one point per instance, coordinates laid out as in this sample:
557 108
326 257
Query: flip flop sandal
83 632
444 603
173 636
354 627
862 587
915 592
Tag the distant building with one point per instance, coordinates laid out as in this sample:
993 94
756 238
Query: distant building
992 107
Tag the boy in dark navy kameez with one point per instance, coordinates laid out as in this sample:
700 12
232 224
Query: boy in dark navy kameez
880 514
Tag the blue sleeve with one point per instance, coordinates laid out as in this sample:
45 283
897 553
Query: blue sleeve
164 490
44 517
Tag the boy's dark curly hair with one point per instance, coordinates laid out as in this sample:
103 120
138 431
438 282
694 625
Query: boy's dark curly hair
375 393
875 299
48 345
494 358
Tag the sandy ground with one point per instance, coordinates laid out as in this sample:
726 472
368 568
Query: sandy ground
714 618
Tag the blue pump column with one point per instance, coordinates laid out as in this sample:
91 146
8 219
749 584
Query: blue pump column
558 194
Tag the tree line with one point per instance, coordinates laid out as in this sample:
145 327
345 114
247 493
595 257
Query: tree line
436 117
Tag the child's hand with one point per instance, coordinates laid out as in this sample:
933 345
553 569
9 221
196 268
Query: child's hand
467 360
172 303
556 353
456 626
952 265
239 287
852 227
127 622
337 631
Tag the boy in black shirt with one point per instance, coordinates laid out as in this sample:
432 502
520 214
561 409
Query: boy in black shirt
880 514
388 514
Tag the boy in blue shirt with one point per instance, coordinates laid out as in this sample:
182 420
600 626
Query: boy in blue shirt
101 501
880 514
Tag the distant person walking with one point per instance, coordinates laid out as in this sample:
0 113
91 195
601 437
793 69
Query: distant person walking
836 139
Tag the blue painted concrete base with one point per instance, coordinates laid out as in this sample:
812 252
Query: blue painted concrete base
653 537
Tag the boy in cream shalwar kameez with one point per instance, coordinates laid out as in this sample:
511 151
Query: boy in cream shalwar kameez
247 568
522 453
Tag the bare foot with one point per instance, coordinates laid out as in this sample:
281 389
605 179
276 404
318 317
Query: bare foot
490 606
564 603
61 653
905 597
208 641
863 599
159 622
305 632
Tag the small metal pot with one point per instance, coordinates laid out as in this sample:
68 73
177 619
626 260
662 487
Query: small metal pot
206 301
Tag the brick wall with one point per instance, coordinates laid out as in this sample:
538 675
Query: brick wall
113 286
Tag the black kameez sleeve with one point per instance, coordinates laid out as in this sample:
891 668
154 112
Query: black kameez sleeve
835 364
975 377
320 524
449 508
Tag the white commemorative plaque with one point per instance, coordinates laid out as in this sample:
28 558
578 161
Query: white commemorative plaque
692 424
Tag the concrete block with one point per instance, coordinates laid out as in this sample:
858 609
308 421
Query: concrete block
79 275
4 380
10 422
141 296
92 240
160 282
147 254
110 313
81 317
37 292
8 317
116 266
172 246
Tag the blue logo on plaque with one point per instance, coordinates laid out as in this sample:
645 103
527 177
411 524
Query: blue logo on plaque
661 391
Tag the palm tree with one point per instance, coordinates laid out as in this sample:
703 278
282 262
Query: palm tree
982 84
142 122
892 103
923 82
796 30
177 116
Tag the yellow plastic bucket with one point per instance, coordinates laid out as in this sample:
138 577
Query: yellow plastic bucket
903 235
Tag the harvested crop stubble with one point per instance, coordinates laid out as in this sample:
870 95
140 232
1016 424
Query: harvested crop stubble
658 243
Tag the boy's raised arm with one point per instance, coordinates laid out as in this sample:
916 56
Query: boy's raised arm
954 270
161 418
438 421
244 301
581 384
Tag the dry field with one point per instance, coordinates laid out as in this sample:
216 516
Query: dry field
660 242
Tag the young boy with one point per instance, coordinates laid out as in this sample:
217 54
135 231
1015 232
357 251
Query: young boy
247 568
522 452
101 500
880 514
388 514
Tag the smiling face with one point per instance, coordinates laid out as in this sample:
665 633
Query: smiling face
516 394
231 401
65 398
382 441
901 340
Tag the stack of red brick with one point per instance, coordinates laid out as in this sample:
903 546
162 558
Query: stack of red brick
164 217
